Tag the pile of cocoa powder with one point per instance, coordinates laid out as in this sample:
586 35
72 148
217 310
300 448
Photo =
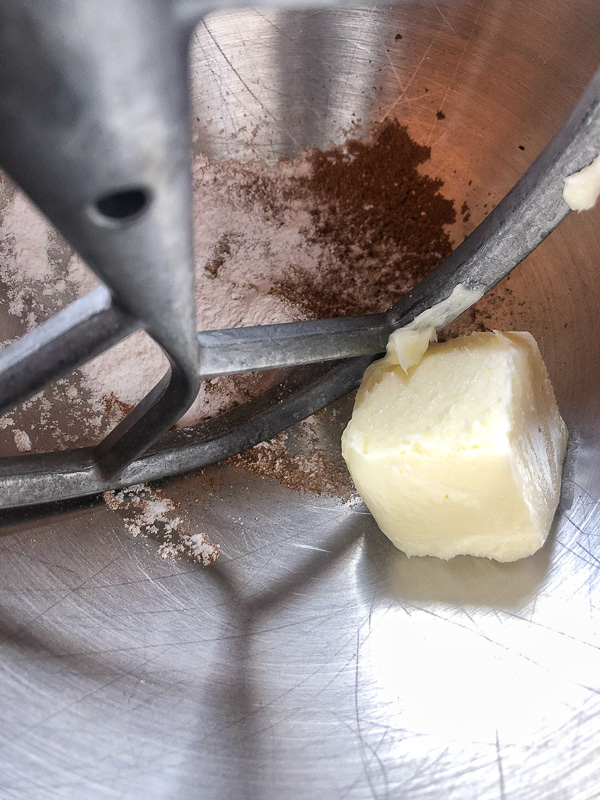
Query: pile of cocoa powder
380 223
385 222
384 219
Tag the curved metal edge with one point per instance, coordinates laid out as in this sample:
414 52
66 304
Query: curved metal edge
68 98
189 12
71 338
33 479
78 333
152 416
521 221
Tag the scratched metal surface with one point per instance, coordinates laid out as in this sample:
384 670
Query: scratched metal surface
313 660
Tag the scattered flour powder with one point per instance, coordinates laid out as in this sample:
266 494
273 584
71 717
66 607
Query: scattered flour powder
346 231
150 513
22 441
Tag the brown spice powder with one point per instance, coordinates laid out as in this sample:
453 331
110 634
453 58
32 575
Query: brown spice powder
317 472
222 250
385 222
114 407
382 217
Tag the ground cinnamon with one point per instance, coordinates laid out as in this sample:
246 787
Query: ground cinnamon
382 217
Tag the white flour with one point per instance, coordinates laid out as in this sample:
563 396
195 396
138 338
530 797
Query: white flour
147 513
22 441
242 250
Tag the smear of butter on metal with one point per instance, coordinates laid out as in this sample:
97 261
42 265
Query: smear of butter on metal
582 189
408 345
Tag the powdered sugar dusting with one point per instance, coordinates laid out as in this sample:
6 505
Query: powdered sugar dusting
149 513
32 286
22 441
26 233
80 276
128 370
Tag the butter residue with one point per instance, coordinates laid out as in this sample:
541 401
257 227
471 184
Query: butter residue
408 345
582 189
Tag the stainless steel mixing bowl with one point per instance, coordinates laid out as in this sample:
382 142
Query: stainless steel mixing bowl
314 660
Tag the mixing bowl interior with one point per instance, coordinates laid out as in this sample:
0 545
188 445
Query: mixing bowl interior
313 659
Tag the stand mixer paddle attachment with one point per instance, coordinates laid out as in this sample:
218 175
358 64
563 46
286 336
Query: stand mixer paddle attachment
95 129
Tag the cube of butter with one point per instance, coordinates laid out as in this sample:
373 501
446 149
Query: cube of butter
463 453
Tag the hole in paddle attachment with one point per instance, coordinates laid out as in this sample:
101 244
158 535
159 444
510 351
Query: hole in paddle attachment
122 206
